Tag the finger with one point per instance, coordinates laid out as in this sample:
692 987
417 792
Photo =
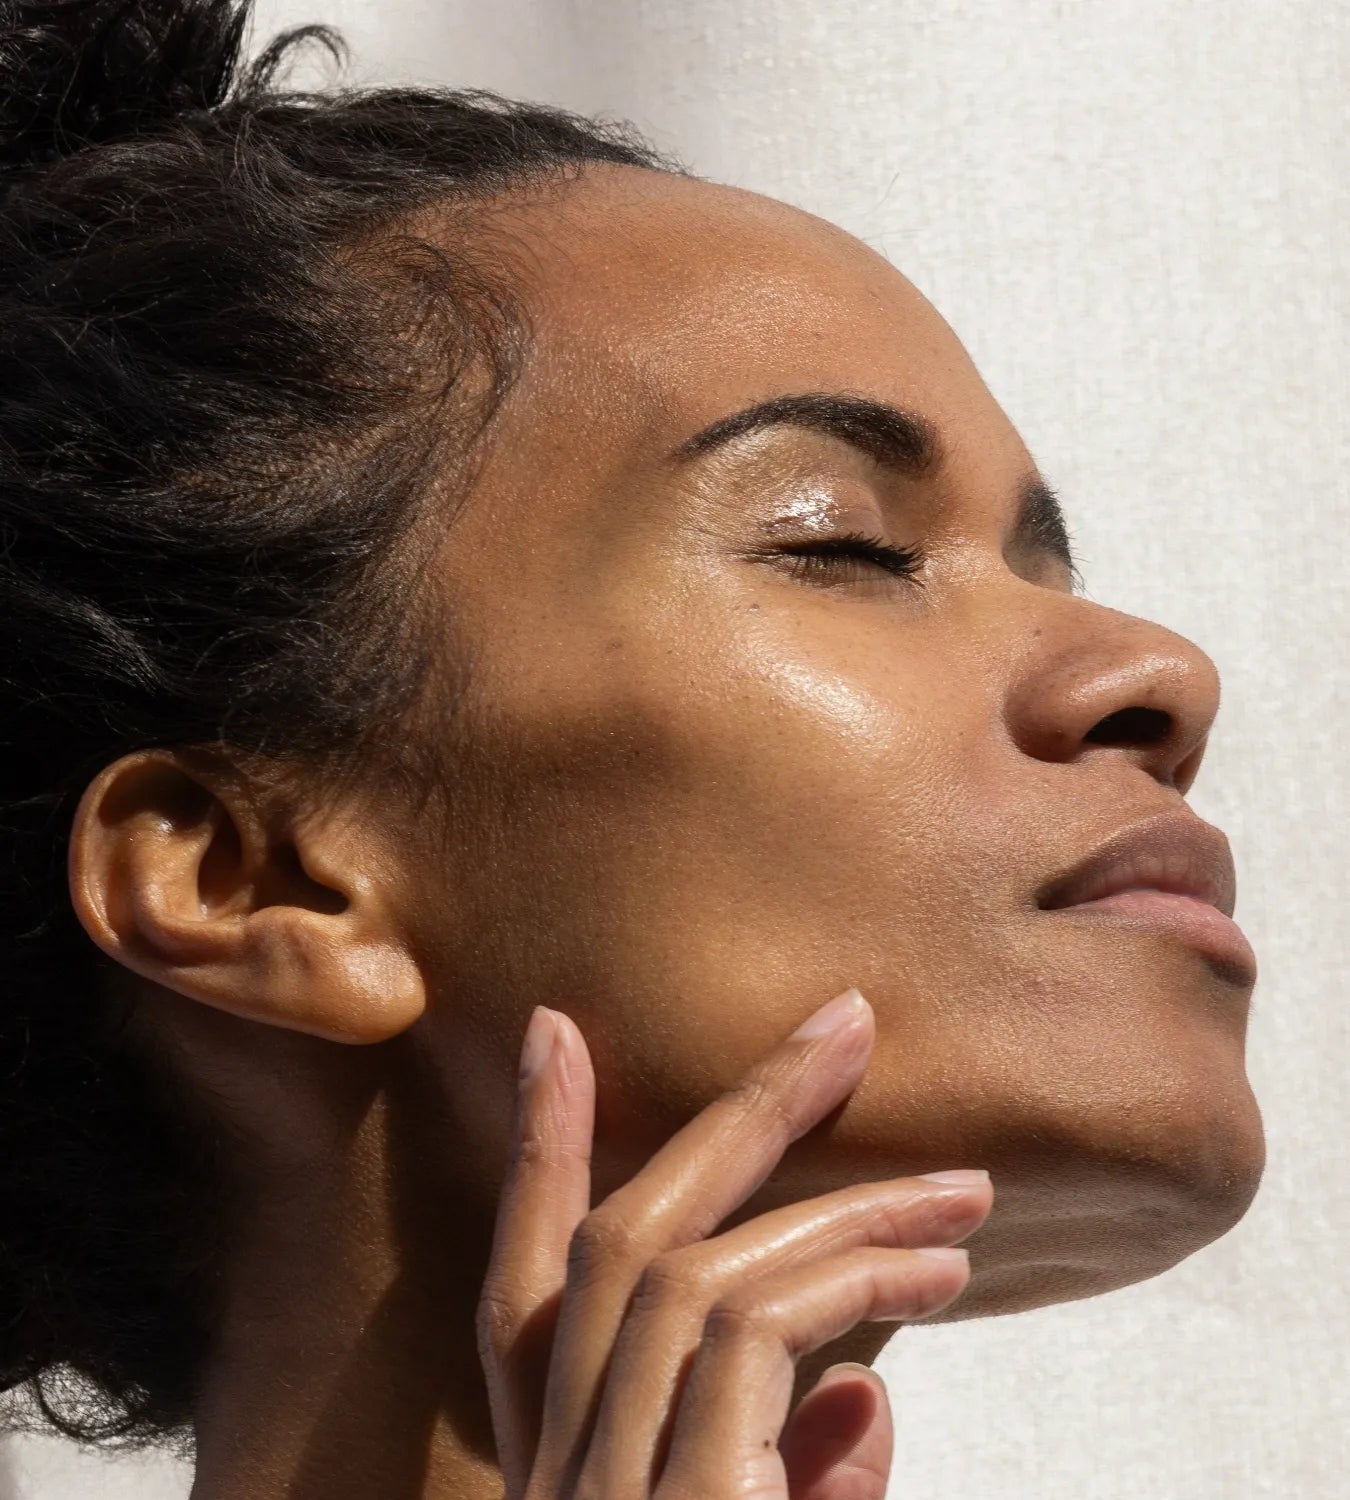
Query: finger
545 1194
710 1167
840 1442
699 1176
735 1404
664 1321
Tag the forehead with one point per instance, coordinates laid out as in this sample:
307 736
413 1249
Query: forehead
658 303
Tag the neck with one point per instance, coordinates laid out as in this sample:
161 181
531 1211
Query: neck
346 1364
373 1409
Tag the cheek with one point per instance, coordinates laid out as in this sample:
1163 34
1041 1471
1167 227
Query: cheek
727 760
696 810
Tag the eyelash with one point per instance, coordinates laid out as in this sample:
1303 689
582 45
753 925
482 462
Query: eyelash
856 547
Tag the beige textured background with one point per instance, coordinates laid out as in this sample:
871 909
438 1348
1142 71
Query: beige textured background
1134 213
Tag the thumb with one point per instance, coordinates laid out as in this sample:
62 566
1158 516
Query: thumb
838 1443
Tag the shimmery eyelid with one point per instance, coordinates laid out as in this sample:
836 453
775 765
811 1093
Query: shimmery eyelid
812 508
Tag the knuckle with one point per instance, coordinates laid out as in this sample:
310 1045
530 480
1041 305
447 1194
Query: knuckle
935 1212
537 1152
894 1223
498 1319
676 1276
740 1314
960 1210
603 1239
758 1099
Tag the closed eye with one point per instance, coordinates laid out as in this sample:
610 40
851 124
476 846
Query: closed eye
839 558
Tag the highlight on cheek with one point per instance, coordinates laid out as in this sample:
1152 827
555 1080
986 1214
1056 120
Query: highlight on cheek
829 695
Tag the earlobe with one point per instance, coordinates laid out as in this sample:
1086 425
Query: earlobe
180 876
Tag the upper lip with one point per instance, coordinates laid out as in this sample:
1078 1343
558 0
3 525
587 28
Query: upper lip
1171 852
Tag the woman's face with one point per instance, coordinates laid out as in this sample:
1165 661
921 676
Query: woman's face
695 794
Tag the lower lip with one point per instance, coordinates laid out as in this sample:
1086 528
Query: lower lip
1203 926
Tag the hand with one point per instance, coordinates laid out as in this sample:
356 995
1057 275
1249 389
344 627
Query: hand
631 1357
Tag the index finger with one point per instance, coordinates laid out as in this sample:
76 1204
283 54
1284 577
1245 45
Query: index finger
545 1193
709 1167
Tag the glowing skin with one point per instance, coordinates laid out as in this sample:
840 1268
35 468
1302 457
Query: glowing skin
695 797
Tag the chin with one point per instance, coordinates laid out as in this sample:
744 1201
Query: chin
1112 1227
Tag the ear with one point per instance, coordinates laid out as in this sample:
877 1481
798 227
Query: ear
180 872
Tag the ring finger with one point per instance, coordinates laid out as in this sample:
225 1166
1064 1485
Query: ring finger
735 1403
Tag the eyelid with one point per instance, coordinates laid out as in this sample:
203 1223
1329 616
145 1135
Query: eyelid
835 555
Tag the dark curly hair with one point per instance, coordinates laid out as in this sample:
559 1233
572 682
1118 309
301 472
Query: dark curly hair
229 375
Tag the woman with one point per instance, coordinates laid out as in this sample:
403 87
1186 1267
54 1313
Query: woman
462 569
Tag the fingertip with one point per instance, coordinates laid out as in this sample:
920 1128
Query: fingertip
573 1056
538 1047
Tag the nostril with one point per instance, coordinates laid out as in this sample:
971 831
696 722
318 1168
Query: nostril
1132 726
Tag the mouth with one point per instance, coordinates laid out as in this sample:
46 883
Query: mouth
1172 873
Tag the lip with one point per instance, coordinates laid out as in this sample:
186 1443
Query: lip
1172 872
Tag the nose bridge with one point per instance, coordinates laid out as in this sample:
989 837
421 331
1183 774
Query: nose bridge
1083 678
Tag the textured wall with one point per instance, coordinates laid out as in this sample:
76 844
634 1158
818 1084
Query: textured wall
1132 212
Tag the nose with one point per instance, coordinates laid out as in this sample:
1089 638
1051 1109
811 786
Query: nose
1097 681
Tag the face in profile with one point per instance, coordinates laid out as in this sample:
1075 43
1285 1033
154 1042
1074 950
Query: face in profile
702 778
731 713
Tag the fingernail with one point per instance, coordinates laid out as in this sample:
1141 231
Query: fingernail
843 1371
833 1016
959 1174
540 1035
945 1252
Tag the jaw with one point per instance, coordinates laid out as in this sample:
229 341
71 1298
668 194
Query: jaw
1069 1235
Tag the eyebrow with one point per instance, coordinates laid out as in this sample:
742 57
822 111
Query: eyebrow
902 441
